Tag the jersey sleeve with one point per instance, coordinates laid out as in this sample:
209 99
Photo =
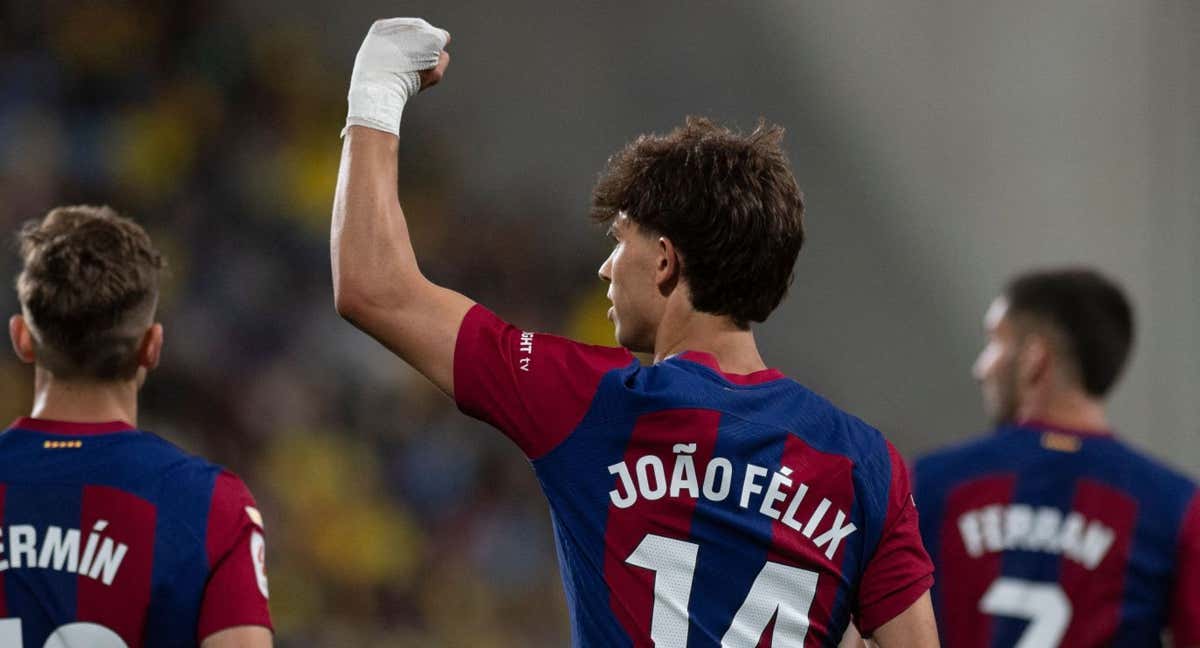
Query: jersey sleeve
900 571
236 592
1185 603
533 387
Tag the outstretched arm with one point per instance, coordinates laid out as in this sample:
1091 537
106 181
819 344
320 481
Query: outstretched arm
377 284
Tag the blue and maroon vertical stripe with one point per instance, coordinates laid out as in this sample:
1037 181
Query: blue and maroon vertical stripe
575 410
154 500
1123 600
734 543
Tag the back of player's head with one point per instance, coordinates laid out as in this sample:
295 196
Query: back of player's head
1090 314
88 288
728 202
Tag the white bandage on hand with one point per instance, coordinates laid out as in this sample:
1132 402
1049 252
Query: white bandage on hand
386 70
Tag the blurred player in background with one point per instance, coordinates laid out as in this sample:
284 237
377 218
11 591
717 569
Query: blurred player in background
1050 531
110 536
701 500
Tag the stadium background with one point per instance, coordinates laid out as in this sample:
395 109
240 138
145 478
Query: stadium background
941 148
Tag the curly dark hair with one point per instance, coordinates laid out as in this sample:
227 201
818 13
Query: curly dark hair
88 287
727 201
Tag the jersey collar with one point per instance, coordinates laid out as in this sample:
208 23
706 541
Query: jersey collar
70 428
710 361
1046 426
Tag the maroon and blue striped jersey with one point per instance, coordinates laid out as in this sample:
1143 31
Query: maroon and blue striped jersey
111 537
1048 537
693 507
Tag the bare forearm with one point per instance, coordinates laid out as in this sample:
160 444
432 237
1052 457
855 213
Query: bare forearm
373 262
376 282
239 637
852 639
913 628
377 285
372 257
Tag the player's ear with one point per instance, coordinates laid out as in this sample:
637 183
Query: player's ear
1034 361
22 339
151 347
667 266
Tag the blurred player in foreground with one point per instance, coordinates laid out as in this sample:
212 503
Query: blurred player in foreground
701 500
1050 531
110 536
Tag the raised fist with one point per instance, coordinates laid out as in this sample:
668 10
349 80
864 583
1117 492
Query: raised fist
398 58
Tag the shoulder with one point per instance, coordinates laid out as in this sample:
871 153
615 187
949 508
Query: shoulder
876 464
535 387
177 469
938 473
1157 485
229 491
483 332
213 502
231 510
1145 466
956 453
190 485
493 358
828 428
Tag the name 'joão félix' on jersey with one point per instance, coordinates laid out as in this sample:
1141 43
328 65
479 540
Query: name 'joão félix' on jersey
779 501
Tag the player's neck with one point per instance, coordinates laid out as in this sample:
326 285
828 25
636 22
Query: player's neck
83 402
1071 410
688 330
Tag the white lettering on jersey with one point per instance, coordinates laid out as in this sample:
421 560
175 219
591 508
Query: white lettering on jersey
778 496
59 550
526 349
1020 527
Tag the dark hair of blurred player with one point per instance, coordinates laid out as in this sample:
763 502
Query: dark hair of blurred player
114 536
1051 531
706 224
1057 342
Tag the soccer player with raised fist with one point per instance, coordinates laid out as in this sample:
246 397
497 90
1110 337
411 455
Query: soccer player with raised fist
702 499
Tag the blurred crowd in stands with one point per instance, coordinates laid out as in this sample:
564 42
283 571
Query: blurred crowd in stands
392 519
